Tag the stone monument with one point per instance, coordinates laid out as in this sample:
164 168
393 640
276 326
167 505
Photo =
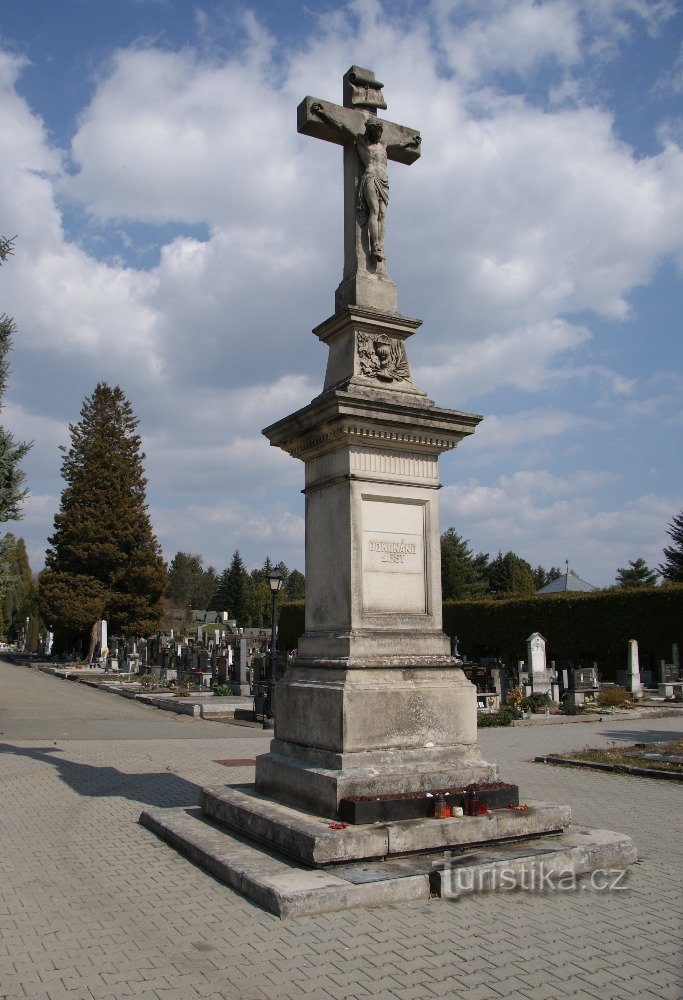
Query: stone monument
374 702
374 717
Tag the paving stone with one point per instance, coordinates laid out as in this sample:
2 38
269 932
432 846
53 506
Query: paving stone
87 892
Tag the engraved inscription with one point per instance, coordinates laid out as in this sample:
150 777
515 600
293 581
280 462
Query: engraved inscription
399 551
394 561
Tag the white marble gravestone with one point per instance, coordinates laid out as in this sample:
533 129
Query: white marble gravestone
634 683
374 702
535 653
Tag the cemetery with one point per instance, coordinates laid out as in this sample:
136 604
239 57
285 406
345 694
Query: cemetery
434 760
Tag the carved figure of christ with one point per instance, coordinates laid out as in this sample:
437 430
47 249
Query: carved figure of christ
369 142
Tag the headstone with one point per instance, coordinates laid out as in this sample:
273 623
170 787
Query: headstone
222 672
634 685
243 666
535 651
668 673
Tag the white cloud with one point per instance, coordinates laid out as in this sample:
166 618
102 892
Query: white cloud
517 217
499 434
522 36
524 358
546 519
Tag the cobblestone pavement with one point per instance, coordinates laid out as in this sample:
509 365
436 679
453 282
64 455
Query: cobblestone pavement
94 906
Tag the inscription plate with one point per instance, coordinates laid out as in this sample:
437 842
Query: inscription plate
393 557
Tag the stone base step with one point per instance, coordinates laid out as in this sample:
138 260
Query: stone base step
317 841
286 888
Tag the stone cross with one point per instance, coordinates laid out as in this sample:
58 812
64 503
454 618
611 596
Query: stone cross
368 142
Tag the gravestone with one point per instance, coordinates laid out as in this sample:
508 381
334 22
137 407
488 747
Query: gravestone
535 652
243 665
634 684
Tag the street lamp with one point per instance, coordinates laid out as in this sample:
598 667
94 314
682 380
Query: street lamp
275 581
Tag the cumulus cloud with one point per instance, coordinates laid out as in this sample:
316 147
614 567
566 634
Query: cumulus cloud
526 216
548 519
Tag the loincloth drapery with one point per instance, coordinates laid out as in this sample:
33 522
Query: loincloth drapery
381 188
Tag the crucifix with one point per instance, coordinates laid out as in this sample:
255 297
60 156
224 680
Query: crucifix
368 143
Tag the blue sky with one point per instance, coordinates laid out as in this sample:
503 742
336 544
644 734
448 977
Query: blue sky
177 237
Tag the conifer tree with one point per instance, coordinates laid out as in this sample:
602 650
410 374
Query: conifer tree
295 588
11 453
19 595
234 591
510 575
672 567
461 572
104 560
636 574
189 584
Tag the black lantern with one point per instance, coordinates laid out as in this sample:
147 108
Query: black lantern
275 582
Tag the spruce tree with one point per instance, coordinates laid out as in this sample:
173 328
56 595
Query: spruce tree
461 575
636 574
11 453
104 560
234 591
189 584
510 575
672 567
295 588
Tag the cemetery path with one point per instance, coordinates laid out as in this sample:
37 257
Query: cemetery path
94 906
36 705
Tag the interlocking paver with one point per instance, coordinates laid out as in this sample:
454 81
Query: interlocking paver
93 906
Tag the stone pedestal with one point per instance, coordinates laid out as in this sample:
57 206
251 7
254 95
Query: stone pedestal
374 702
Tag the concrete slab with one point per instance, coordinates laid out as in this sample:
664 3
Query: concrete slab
313 840
279 885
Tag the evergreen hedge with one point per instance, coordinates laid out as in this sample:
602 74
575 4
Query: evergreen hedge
290 624
576 626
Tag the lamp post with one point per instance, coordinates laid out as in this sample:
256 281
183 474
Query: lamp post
275 581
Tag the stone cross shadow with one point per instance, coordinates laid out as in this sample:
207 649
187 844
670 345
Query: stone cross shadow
160 788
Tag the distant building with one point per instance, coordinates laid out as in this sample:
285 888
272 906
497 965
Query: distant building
568 582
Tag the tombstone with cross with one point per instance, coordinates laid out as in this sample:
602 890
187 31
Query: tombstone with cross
368 143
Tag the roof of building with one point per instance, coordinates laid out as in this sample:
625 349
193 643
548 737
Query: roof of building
569 581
